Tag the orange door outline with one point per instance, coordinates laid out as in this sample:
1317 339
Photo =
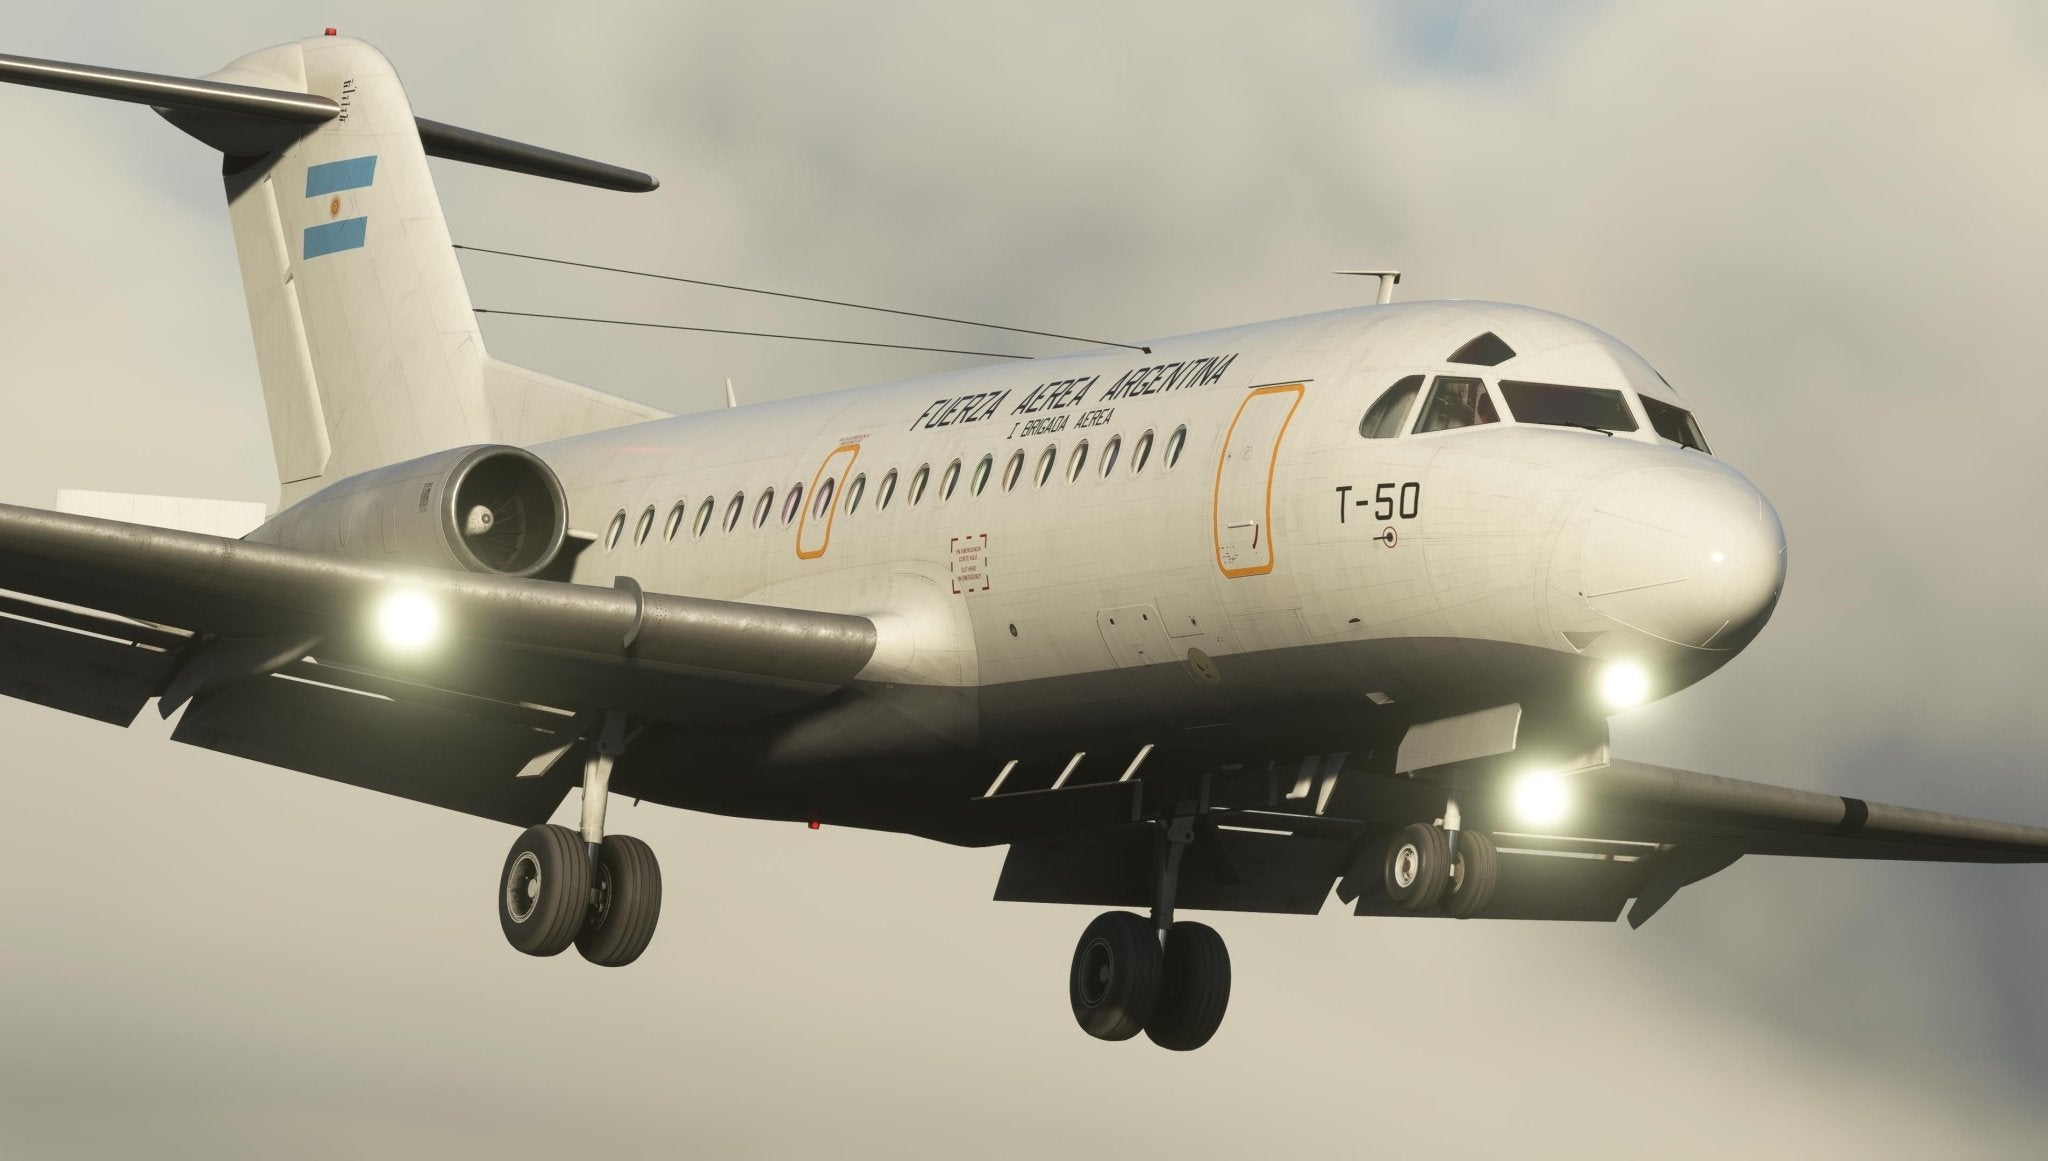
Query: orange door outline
826 470
1265 527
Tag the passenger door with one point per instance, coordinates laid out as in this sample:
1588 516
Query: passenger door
1242 513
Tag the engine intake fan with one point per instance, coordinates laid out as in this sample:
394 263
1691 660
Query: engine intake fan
490 509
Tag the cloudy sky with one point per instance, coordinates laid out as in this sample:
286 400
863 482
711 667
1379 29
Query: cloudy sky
1823 222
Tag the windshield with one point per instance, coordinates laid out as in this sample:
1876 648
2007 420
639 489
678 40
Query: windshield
1675 424
1599 408
1455 403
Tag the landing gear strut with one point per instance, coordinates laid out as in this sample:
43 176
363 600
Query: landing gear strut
563 886
1171 979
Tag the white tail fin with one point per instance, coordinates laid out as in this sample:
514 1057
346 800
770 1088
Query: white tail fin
365 340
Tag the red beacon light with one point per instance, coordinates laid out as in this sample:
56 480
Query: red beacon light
331 32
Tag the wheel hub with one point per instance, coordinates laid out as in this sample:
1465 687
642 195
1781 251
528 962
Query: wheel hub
1098 964
1407 863
522 887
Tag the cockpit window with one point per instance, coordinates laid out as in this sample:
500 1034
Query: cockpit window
1456 403
1384 418
1675 424
1599 408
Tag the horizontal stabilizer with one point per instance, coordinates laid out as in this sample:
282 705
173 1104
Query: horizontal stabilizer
247 120
164 92
454 143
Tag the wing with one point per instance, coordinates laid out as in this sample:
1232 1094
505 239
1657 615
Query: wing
275 655
1636 831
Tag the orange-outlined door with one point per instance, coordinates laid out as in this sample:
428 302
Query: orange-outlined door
821 505
1242 514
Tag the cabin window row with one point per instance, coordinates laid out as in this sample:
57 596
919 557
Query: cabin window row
1080 462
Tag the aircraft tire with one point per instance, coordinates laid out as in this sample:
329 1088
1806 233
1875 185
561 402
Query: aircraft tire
1474 877
627 903
544 891
1418 867
1194 988
1114 982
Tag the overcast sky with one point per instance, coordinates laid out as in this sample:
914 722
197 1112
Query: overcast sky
1822 222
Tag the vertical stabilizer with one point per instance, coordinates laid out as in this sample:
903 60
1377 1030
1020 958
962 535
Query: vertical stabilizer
364 336
368 348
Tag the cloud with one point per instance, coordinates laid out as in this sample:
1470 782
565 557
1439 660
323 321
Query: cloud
1820 222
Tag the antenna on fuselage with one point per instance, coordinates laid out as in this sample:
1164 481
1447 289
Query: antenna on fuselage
1388 280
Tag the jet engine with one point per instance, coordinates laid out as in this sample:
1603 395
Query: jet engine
492 509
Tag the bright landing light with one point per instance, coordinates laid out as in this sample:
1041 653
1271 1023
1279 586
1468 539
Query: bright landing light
1542 798
408 621
1624 684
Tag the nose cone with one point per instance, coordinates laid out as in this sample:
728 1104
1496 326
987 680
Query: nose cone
1693 557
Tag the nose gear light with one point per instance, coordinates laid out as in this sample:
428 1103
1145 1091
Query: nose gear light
1541 798
1623 684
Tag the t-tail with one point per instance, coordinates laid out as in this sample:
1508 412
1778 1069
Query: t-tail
367 345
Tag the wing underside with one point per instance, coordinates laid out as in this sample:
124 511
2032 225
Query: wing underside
268 652
1639 832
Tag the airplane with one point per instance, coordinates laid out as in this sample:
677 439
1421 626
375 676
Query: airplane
1225 621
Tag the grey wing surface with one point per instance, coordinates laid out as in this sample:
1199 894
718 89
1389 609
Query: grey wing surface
270 652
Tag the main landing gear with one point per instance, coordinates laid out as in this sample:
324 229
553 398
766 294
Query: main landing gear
600 892
1169 979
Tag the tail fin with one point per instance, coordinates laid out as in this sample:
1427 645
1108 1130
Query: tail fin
367 346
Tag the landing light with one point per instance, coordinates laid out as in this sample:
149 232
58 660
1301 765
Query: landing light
1624 684
1542 798
408 621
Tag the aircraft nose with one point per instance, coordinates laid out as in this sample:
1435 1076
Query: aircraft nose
1693 557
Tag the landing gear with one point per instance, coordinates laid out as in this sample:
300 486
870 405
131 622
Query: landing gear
544 893
1194 988
1172 980
1418 867
561 886
1114 984
1474 874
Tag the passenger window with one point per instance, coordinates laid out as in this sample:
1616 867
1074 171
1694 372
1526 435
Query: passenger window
611 534
1014 471
704 513
1598 408
854 491
643 526
764 506
1079 461
1109 451
981 471
1174 444
1455 403
1046 460
1389 413
793 505
918 483
949 481
676 516
1141 453
733 510
886 492
823 503
1674 423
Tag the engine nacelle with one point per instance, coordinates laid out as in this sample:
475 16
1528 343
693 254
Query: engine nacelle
493 509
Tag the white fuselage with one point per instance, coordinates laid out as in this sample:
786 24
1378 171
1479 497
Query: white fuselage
1299 578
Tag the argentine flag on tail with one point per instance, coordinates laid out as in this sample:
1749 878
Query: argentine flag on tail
329 180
